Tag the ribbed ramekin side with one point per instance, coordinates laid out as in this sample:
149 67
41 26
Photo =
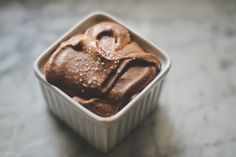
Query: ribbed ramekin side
103 137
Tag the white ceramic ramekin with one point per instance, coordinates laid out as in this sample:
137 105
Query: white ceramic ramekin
102 132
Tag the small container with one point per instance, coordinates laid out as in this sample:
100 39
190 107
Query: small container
102 132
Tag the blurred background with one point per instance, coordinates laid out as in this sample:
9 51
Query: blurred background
197 111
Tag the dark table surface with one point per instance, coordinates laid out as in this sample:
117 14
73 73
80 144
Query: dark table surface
197 111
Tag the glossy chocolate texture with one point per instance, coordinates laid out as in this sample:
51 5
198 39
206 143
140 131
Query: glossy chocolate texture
102 69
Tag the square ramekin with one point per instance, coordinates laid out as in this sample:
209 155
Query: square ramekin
102 132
